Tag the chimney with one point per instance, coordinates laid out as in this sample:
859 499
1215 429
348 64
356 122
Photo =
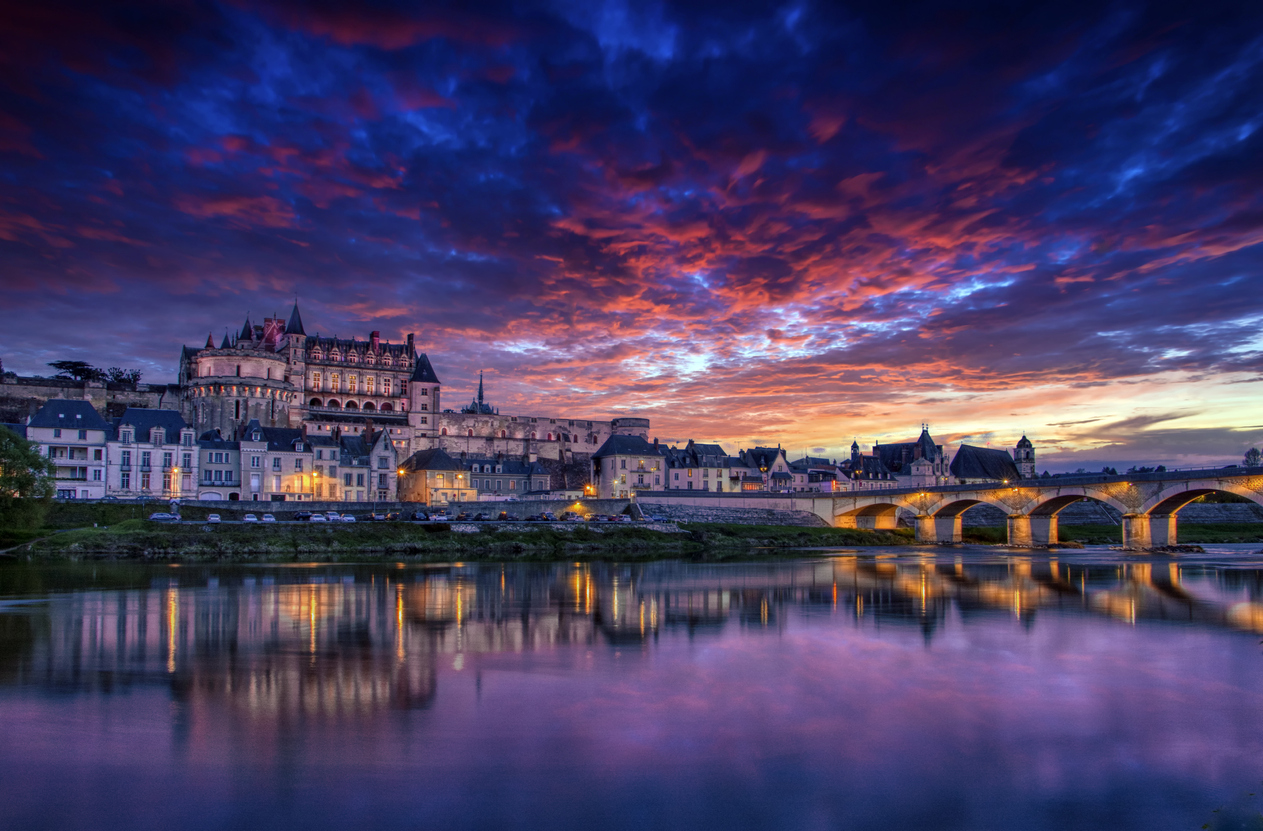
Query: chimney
409 344
375 340
655 442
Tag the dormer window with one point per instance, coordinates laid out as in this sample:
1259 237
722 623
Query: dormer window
125 437
256 436
158 436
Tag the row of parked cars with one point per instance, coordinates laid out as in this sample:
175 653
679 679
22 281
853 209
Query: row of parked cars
418 516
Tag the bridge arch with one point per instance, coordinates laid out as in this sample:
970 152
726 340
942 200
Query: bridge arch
1170 500
877 516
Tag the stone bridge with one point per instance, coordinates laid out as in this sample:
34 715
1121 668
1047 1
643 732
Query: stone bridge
1149 502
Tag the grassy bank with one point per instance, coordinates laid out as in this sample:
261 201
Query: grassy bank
136 539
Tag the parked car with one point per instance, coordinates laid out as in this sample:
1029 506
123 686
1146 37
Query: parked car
420 516
269 518
333 515
572 516
213 518
481 517
534 518
463 516
249 518
163 516
622 518
441 516
374 516
318 518
348 518
393 516
302 516
548 516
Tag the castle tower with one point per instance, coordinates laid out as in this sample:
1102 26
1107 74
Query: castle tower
424 405
1024 457
295 350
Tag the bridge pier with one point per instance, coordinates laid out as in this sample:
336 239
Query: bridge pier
1043 529
879 522
1020 531
1162 529
1136 532
938 530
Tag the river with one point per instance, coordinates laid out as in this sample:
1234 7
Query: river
860 689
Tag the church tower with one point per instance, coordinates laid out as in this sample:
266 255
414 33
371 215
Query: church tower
1024 457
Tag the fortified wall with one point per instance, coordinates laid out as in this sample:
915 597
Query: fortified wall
21 396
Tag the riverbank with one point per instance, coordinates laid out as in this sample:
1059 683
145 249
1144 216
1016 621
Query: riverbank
136 539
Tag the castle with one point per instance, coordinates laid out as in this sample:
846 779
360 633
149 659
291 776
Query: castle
279 375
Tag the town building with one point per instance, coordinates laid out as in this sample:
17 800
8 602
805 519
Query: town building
916 464
502 476
73 435
433 477
151 454
276 464
625 464
369 467
219 468
696 466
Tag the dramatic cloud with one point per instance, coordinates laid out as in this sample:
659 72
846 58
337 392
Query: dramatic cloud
799 223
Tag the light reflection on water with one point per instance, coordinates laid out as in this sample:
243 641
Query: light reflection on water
875 689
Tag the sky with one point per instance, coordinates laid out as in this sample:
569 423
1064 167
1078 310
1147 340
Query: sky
800 223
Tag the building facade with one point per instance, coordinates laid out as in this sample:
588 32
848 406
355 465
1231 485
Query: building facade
152 454
73 435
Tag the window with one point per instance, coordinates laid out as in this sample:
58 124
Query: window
386 385
83 435
125 481
334 380
126 460
315 380
359 480
381 480
56 435
424 419
126 437
424 407
622 463
498 484
144 481
677 476
276 483
383 463
346 480
166 459
352 383
425 390
298 465
237 409
256 461
96 475
640 478
512 484
96 455
145 459
657 480
187 440
276 463
368 384
206 476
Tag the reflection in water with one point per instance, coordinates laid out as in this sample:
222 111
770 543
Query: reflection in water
258 655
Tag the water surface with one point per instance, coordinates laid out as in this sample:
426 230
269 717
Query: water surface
864 689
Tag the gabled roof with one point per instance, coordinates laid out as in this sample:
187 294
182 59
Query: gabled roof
620 445
984 463
436 458
279 439
423 372
60 412
143 421
295 325
509 467
763 457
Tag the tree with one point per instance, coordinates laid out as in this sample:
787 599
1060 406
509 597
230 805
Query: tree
118 375
1253 458
26 481
78 370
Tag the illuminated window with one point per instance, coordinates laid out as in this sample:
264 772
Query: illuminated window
315 380
334 380
368 384
385 386
352 383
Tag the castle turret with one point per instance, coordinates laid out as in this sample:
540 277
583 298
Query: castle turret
423 397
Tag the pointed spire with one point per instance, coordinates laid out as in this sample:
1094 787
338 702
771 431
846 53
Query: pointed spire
247 331
480 388
423 372
210 340
225 344
295 325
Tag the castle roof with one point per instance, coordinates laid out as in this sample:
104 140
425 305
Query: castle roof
424 373
984 463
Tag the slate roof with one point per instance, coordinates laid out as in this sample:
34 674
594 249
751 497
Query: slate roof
895 456
77 415
295 325
423 372
627 446
436 458
279 439
762 457
509 467
984 463
144 421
